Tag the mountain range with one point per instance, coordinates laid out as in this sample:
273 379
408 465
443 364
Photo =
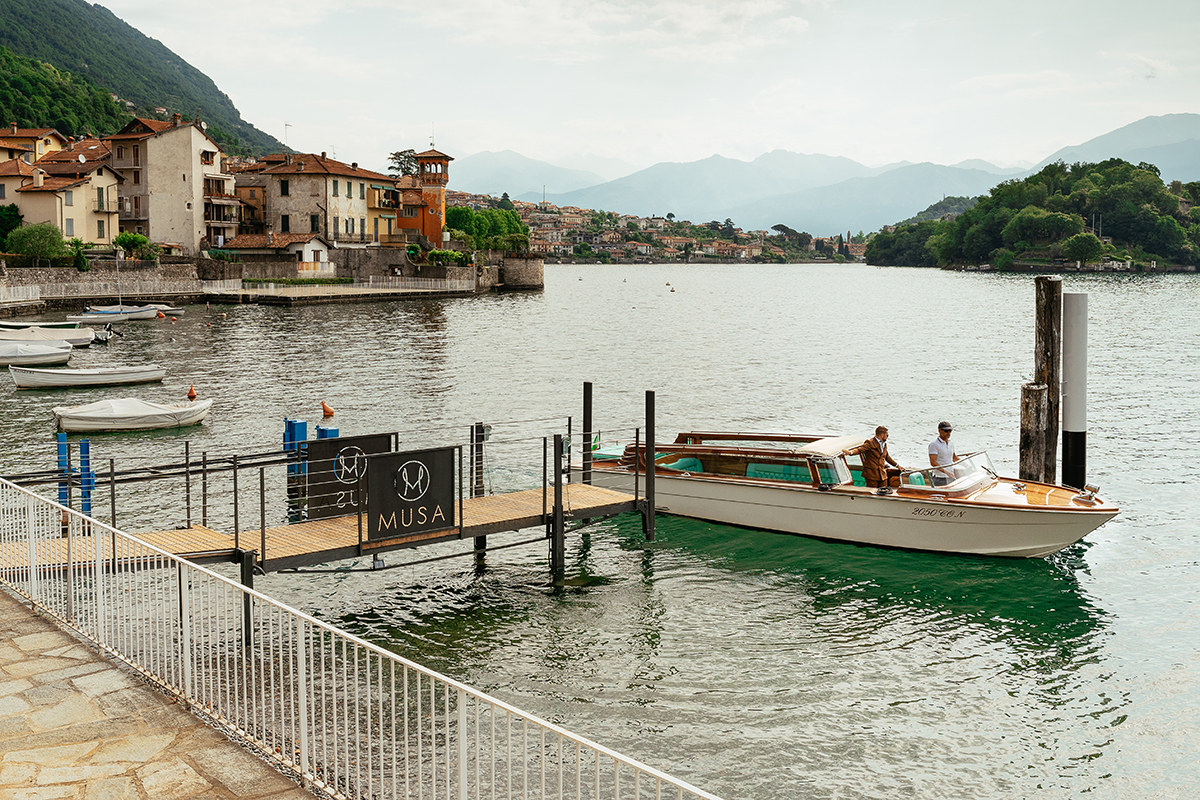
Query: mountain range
818 193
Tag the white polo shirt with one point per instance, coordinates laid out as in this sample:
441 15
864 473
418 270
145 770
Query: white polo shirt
944 451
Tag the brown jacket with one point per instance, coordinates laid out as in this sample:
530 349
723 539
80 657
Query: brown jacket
874 460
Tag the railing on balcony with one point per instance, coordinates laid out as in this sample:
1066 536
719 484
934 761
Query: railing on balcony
345 716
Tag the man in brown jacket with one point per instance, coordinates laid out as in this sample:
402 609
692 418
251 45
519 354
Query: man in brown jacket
875 458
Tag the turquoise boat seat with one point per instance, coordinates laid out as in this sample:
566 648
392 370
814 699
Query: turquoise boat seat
858 478
916 479
779 472
686 464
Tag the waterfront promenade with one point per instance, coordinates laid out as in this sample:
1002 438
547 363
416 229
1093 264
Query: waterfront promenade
75 725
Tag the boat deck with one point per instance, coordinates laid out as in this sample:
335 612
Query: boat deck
320 541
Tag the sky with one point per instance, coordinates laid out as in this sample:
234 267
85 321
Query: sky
623 84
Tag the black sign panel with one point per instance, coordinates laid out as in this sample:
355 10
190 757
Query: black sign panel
410 493
334 467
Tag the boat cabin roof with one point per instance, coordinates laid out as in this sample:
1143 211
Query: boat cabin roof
831 446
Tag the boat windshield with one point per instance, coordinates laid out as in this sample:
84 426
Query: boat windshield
964 473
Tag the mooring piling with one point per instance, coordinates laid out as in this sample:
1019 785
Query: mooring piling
1047 362
648 507
1074 390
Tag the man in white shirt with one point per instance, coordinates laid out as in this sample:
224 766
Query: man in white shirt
941 453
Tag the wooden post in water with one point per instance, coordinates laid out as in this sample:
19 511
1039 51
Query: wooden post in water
648 508
1034 410
1047 362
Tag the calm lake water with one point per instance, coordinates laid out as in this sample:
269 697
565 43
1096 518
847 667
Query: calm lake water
757 666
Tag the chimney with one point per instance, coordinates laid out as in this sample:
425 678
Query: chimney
175 120
14 129
287 159
38 177
322 154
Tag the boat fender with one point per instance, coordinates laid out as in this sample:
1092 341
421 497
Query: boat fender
326 409
824 487
191 395
161 315
174 320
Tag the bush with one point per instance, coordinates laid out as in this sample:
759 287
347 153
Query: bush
41 241
130 241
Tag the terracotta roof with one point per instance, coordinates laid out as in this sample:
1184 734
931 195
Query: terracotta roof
94 151
54 183
274 241
14 167
31 133
12 144
312 164
139 128
434 154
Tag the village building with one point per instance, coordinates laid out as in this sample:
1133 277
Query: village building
40 141
309 251
175 190
427 216
307 193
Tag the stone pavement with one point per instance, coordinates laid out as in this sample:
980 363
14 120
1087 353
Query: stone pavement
75 725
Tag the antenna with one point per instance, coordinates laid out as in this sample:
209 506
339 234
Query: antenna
431 144
286 125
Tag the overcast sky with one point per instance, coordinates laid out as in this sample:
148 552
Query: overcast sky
877 81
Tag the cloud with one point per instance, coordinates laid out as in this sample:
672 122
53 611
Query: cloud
1151 68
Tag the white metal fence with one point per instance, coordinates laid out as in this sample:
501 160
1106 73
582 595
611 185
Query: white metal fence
20 294
377 285
123 288
350 719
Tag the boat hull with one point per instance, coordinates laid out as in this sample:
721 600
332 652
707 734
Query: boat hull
127 311
128 415
26 378
76 337
34 353
863 517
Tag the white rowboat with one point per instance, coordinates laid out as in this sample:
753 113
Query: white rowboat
77 337
131 312
129 414
8 323
26 378
34 352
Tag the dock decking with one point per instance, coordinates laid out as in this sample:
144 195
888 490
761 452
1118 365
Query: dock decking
319 541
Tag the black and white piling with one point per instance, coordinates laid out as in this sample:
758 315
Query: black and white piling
1074 390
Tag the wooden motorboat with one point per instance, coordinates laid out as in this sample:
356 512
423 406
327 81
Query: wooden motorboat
129 414
802 484
130 312
28 378
50 352
77 337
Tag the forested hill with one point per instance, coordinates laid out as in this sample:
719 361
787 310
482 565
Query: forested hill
35 94
91 41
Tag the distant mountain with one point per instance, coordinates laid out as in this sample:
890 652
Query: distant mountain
506 171
866 203
979 163
696 190
89 40
1171 138
607 168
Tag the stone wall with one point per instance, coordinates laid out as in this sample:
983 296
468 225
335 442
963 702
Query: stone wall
133 272
522 273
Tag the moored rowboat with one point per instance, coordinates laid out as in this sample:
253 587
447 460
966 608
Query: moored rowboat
77 337
27 378
129 414
130 312
798 484
10 324
34 352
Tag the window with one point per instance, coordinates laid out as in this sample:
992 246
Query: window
68 227
1 191
120 151
362 191
137 177
99 229
283 188
285 224
68 198
314 223
349 224
206 156
137 157
253 193
335 194
335 227
362 225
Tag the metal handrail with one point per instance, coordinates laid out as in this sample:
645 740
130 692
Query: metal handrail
346 716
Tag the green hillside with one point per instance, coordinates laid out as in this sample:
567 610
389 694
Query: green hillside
35 94
92 42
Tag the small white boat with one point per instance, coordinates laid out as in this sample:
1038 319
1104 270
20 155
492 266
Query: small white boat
129 414
34 352
802 484
27 378
77 337
16 326
130 312
98 317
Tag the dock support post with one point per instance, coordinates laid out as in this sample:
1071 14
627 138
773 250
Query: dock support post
1047 361
558 545
64 468
236 519
112 492
204 488
246 560
587 432
1074 390
648 507
1034 412
187 479
477 487
87 479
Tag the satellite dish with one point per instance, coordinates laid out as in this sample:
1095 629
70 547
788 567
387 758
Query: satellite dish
81 158
203 126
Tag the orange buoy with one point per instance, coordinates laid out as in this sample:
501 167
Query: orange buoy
174 319
192 393
326 409
161 315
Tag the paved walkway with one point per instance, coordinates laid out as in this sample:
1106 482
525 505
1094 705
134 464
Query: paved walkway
74 725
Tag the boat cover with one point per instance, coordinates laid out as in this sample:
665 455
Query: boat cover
833 446
34 352
76 336
129 414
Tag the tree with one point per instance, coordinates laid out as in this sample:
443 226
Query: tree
1083 247
402 162
505 204
43 240
129 241
10 220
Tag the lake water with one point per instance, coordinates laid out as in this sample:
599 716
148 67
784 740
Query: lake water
757 666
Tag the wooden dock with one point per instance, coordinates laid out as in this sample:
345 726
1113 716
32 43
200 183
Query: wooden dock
320 541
